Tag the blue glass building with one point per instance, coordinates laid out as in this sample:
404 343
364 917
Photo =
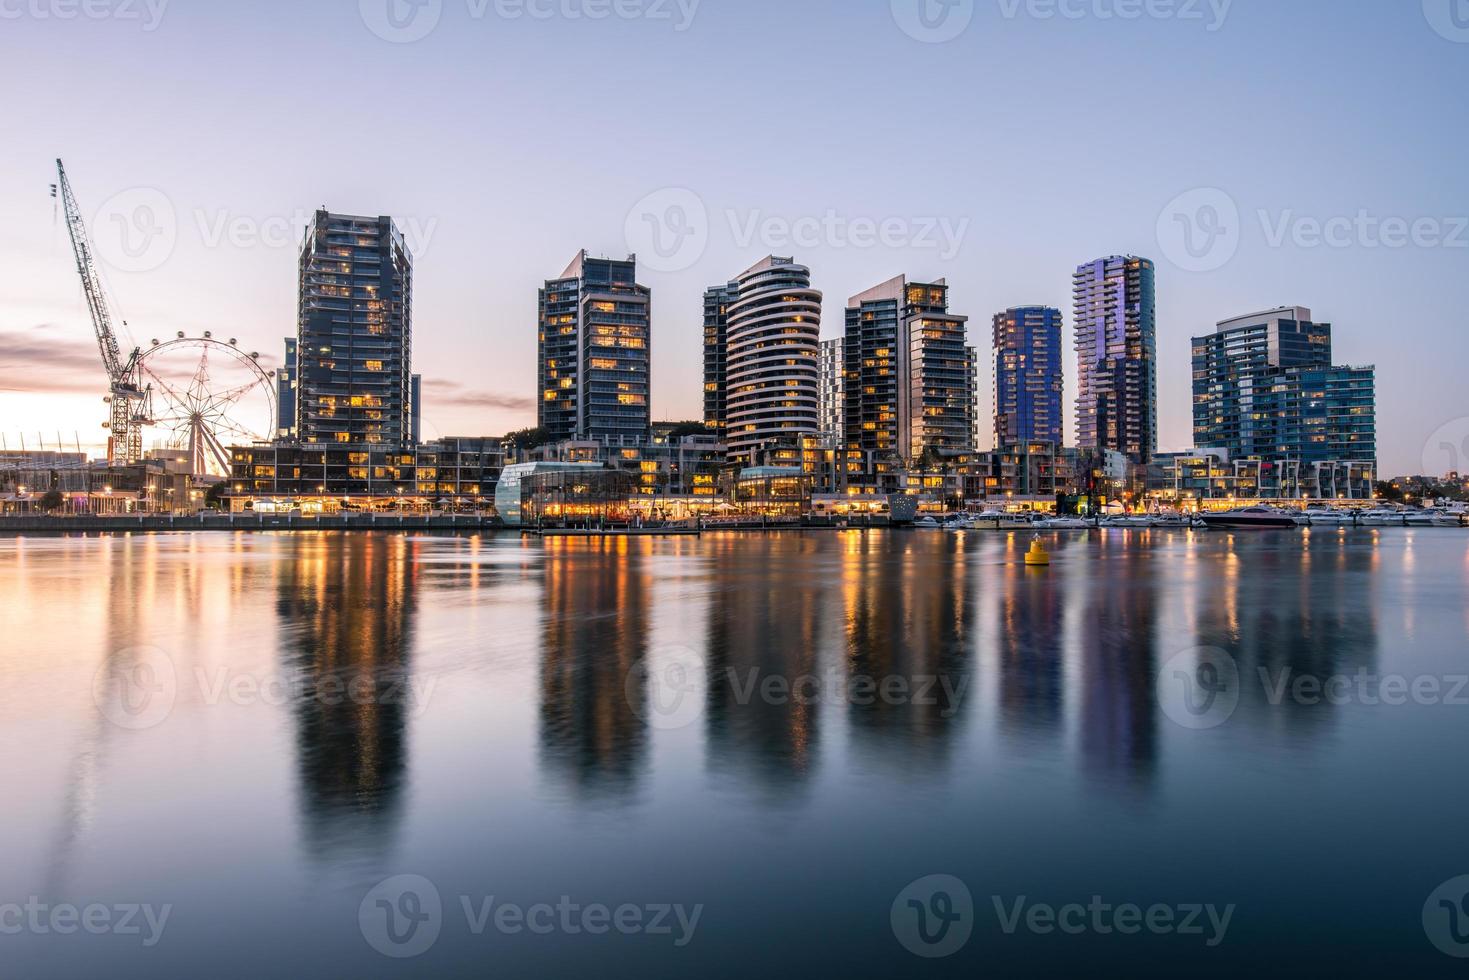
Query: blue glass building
1028 376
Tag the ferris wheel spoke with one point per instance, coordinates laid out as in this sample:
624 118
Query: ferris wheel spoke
169 391
226 399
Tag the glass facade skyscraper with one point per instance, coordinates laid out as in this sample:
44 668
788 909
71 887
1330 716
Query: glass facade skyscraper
355 333
1265 388
1116 323
593 351
833 405
909 375
717 301
1028 376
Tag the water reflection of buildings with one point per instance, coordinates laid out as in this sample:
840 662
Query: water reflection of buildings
765 624
1118 646
346 606
1031 655
910 615
1304 609
597 600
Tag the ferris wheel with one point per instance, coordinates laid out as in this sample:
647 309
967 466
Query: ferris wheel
208 394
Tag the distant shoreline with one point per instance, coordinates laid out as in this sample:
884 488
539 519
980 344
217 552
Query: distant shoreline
161 523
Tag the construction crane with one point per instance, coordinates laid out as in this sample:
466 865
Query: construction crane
129 398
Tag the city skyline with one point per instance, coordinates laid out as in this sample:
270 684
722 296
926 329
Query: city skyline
237 214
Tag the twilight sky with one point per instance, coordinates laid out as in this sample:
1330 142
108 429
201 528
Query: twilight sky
1263 153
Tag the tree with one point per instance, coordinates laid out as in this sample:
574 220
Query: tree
214 496
526 439
679 430
52 501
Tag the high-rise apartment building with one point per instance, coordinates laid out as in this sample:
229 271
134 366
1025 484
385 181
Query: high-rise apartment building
593 351
772 361
1116 323
355 332
1265 388
1028 376
717 301
832 401
909 374
285 394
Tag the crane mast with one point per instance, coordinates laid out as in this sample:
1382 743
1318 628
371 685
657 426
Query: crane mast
129 399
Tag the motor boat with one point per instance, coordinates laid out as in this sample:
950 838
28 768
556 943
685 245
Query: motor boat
1063 524
1000 521
1381 517
1248 518
927 524
1327 517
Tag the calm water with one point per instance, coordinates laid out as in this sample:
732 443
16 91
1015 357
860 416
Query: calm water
257 731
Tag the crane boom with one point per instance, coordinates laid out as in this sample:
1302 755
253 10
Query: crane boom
129 400
81 244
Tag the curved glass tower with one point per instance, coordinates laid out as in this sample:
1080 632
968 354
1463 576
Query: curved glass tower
772 367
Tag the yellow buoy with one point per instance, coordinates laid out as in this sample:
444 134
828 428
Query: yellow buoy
1037 555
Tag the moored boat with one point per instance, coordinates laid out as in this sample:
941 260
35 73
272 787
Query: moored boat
1248 518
